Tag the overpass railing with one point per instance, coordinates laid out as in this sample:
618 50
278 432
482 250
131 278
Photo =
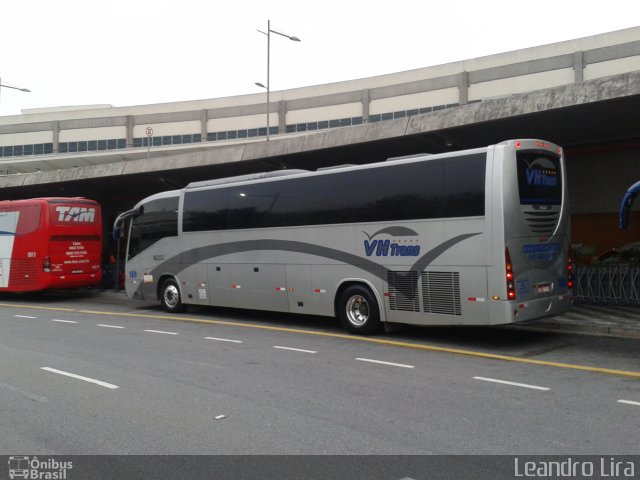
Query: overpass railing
614 284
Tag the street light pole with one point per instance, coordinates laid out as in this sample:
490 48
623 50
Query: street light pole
268 86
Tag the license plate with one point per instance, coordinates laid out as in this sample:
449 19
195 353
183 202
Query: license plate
544 288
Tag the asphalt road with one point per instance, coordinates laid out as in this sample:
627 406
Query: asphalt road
100 374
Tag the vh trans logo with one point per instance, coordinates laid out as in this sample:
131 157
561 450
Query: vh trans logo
542 173
32 468
400 245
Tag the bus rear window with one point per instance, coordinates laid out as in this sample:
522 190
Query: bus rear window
539 178
20 220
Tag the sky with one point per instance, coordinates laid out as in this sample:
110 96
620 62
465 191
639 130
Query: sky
122 53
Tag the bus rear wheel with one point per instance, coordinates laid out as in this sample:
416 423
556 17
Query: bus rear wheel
170 297
358 311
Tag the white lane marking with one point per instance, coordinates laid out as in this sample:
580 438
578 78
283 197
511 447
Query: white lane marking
108 326
80 377
513 384
629 402
62 321
380 362
295 349
223 339
220 417
161 331
25 316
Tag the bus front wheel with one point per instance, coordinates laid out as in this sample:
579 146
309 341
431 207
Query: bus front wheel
358 311
170 297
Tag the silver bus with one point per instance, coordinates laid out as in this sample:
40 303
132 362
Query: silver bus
474 237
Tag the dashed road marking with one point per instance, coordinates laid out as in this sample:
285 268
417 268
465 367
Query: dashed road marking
513 384
380 362
294 349
223 339
162 331
80 377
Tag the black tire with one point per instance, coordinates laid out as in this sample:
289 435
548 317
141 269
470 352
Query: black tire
170 298
358 311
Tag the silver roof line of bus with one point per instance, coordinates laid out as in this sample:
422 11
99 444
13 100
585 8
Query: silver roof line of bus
245 178
406 157
333 167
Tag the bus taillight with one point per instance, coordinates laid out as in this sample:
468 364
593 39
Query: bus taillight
46 264
511 288
569 273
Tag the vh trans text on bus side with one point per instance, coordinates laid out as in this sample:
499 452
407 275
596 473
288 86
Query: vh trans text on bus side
391 248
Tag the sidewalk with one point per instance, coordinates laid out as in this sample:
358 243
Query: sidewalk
612 321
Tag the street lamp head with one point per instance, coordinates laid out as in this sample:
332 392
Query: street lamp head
4 85
290 37
260 85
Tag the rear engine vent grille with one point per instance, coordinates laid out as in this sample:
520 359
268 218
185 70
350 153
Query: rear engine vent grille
403 291
542 222
441 292
24 273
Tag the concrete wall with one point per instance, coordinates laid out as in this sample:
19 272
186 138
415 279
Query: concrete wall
40 136
101 133
597 182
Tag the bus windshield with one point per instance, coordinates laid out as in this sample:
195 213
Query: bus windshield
159 220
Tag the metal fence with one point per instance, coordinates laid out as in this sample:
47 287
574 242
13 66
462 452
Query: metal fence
607 284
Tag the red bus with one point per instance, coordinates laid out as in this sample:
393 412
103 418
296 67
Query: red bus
49 243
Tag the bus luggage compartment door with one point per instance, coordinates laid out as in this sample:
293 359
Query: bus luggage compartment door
299 289
219 285
259 286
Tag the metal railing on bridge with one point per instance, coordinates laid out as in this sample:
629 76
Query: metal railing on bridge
614 284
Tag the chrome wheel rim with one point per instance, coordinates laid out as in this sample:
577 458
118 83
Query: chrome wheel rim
171 296
357 310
